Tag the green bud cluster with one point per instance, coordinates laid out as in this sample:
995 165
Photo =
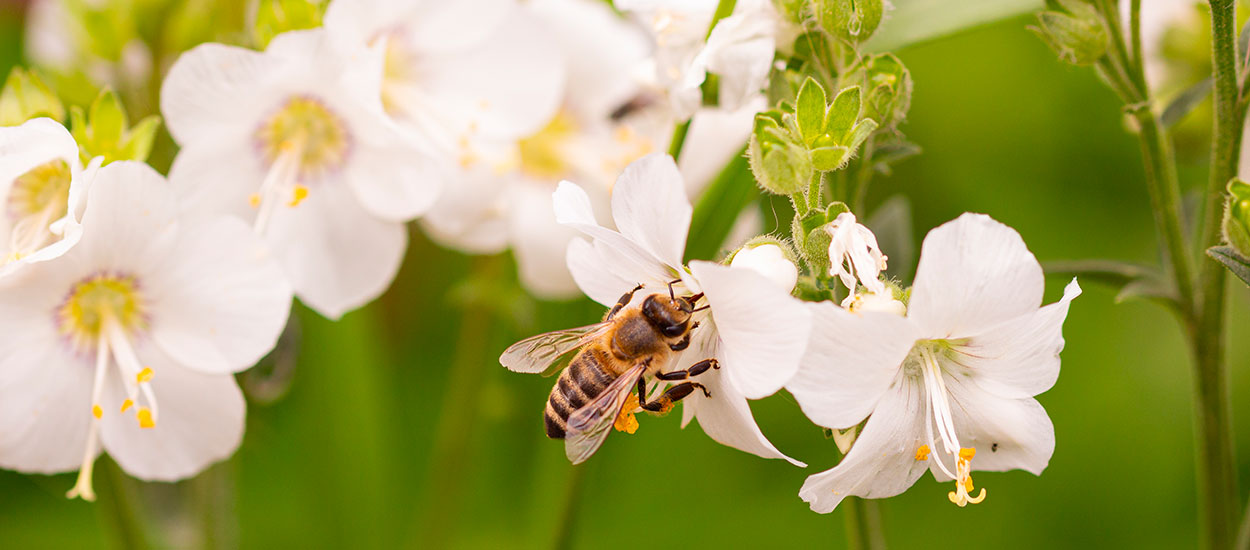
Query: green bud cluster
850 20
25 96
791 143
1078 33
1237 217
104 131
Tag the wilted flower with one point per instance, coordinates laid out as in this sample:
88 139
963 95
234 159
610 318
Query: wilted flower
753 327
949 388
42 183
854 254
295 141
128 341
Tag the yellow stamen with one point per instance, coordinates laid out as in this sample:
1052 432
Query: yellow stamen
145 418
967 453
144 375
922 453
96 411
254 200
298 194
127 404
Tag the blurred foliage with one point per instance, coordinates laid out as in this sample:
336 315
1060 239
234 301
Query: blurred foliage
342 460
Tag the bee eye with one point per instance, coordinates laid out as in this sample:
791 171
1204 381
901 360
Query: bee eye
673 331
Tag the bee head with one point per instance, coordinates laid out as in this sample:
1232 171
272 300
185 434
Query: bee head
671 316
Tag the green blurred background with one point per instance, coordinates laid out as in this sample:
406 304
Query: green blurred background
343 459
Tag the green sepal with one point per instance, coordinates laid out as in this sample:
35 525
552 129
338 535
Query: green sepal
810 109
25 96
843 113
1078 34
1236 223
104 131
1236 263
828 159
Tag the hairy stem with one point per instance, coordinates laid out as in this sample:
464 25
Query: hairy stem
1217 474
863 524
1165 198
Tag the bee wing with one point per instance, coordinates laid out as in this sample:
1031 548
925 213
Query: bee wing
590 425
538 353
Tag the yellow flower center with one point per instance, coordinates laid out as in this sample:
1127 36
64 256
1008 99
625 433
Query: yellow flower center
36 199
544 154
98 298
304 128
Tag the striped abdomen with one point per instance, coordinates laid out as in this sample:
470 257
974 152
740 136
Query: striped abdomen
583 380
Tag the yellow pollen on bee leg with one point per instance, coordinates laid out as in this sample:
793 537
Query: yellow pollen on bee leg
145 418
922 453
625 421
127 404
97 412
144 375
298 194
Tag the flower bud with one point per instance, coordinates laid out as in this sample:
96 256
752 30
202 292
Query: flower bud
780 166
889 88
851 20
1079 36
104 131
770 260
24 97
881 302
1237 217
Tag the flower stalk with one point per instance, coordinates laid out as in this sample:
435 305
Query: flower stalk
863 524
120 507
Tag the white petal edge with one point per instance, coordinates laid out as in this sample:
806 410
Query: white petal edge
649 207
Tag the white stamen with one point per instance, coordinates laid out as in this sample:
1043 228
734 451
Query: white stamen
82 487
279 181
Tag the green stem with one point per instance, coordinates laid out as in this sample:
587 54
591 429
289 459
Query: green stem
213 491
1243 538
815 190
120 507
573 495
1217 474
863 524
457 419
1165 198
863 177
723 9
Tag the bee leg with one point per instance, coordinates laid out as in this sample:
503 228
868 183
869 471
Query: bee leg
672 395
620 304
683 344
694 370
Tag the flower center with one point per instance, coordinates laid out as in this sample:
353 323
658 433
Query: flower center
397 73
544 155
103 313
305 128
922 362
97 298
302 140
36 199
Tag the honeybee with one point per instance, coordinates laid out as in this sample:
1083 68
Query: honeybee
614 357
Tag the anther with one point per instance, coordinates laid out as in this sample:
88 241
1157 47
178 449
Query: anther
127 404
97 412
298 194
922 453
145 418
144 375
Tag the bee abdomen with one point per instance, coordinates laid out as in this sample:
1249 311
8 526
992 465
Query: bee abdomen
580 383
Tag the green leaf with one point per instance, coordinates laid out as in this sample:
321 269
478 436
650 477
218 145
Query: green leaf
139 140
1132 280
25 96
843 114
828 159
914 21
810 109
1236 263
108 120
860 133
1185 102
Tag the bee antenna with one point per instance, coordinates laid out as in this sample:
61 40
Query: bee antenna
694 298
670 289
701 308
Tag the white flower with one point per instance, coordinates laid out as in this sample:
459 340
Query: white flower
854 254
42 182
457 71
770 261
740 49
501 197
949 388
294 140
128 341
754 328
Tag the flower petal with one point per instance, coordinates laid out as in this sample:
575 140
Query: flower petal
222 302
45 390
394 183
215 179
130 220
882 463
625 257
212 79
337 256
763 330
200 422
740 50
587 264
726 417
470 214
1008 434
1020 358
974 272
650 207
35 142
539 243
850 363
